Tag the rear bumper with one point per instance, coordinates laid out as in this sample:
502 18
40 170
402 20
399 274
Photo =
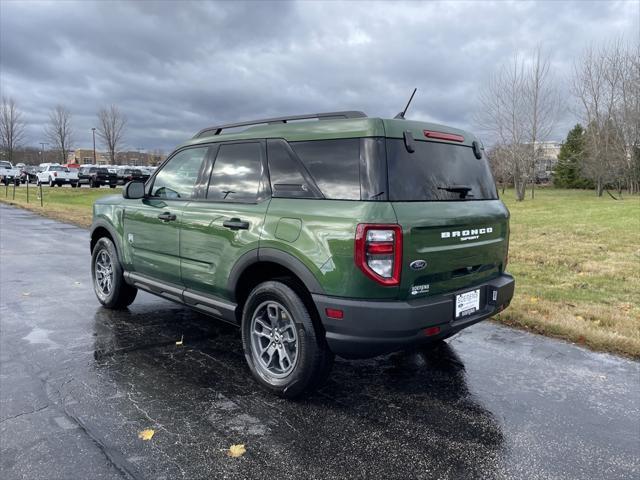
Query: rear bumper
371 328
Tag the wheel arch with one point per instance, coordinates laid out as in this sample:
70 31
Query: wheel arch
101 229
257 266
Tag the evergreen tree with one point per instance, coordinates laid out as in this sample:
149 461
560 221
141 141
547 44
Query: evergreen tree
567 173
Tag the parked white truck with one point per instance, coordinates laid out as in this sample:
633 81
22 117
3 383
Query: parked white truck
53 174
8 173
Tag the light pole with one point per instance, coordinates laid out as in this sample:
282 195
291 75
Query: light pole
44 157
93 130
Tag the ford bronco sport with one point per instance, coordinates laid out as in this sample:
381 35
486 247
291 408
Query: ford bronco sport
318 235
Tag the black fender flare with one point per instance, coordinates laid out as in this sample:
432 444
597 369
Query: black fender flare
273 255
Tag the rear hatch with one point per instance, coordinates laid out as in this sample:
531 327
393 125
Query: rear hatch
455 230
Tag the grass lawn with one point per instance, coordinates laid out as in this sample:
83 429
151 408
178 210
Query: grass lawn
72 205
576 259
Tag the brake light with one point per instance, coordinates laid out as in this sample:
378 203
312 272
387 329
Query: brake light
378 252
55 174
452 137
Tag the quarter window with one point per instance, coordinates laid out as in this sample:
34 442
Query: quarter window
178 177
236 173
334 165
287 177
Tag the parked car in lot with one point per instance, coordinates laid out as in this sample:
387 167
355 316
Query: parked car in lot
96 177
134 174
9 173
53 174
348 236
30 173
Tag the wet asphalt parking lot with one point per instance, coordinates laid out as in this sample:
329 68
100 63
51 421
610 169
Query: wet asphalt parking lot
78 383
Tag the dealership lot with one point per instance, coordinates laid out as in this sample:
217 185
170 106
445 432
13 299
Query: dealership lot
79 383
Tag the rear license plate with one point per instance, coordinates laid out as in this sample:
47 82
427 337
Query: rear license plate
467 303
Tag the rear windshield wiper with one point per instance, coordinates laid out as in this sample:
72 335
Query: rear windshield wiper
463 190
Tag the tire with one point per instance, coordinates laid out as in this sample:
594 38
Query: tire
51 183
74 185
112 186
312 360
119 294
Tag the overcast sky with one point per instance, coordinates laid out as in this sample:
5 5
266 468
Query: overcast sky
175 67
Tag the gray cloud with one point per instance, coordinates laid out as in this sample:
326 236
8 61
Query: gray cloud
174 67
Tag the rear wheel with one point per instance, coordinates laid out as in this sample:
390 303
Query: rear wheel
108 279
285 351
51 183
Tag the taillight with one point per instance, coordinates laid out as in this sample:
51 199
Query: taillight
378 252
55 174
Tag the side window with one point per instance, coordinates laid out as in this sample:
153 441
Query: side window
236 173
287 177
178 177
334 165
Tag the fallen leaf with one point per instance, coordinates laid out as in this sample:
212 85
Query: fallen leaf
533 299
146 434
578 317
179 342
236 450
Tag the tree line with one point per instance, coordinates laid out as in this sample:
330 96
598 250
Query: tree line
59 130
521 103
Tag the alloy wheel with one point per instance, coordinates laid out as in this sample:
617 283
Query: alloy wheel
104 272
274 339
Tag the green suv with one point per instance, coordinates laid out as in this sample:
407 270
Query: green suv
318 235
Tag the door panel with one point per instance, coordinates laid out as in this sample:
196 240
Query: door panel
208 249
154 242
151 226
227 220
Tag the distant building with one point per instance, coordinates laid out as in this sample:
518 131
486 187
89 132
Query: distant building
547 159
84 156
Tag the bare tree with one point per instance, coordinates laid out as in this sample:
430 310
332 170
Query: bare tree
542 102
519 106
597 84
498 157
627 117
59 131
111 127
12 127
503 117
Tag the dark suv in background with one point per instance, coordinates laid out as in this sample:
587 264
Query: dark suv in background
96 177
318 235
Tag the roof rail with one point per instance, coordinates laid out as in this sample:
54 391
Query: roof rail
320 116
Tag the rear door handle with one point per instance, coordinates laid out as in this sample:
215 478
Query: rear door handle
167 217
236 224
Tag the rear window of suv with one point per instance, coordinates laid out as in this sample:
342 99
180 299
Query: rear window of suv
437 172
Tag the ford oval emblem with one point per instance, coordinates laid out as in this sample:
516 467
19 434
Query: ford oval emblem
418 264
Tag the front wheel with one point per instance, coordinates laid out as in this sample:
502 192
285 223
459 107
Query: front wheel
108 279
286 352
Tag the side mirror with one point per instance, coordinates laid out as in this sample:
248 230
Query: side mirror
133 190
